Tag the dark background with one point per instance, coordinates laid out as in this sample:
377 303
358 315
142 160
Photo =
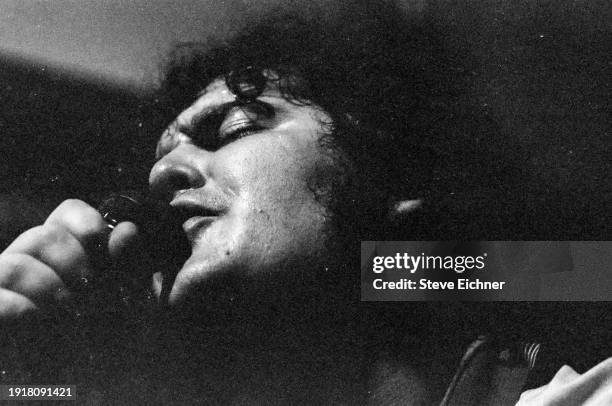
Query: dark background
62 138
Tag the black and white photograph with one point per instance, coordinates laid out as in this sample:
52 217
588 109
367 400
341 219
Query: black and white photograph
325 202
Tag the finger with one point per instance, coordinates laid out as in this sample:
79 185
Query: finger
126 249
31 278
56 248
14 305
124 240
80 219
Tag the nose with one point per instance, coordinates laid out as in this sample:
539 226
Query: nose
182 168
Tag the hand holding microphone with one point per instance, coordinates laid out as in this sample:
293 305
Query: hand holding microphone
53 264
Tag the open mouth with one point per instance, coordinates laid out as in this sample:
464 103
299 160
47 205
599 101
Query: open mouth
194 219
195 225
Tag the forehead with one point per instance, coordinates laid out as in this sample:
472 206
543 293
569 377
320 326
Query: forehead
214 95
217 93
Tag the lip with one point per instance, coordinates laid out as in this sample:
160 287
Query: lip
190 201
194 226
196 214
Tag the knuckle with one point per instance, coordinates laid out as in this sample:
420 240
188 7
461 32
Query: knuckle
71 204
12 265
50 244
24 273
49 234
67 210
32 241
78 217
22 281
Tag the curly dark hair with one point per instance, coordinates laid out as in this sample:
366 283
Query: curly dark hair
393 91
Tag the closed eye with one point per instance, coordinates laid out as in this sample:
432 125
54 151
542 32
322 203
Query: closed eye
219 128
239 130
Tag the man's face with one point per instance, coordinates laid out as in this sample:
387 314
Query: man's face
251 176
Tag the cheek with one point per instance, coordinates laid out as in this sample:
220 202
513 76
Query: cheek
272 168
280 214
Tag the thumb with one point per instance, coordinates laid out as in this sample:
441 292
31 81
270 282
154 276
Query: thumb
124 240
130 275
127 252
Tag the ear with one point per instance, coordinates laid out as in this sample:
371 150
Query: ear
403 208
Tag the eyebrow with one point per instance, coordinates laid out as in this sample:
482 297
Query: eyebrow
197 118
220 110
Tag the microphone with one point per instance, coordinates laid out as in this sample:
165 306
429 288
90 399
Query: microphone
160 228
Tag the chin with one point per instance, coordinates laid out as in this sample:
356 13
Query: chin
204 278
